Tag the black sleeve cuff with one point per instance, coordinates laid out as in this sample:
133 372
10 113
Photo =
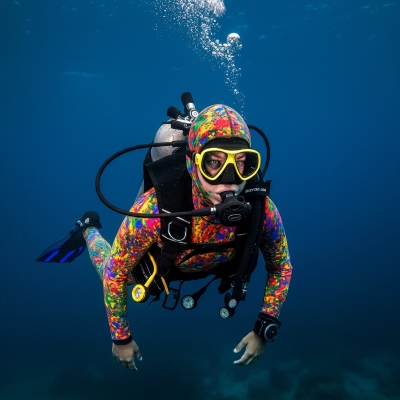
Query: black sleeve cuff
269 318
123 341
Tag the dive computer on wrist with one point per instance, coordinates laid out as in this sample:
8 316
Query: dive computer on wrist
267 327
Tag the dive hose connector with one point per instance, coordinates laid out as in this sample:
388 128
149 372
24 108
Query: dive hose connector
189 302
232 301
267 327
229 309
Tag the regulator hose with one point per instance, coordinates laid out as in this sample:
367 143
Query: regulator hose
249 247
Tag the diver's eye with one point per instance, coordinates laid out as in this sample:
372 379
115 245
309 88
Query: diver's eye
240 162
213 164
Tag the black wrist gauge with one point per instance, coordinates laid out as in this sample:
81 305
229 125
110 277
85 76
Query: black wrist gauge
267 328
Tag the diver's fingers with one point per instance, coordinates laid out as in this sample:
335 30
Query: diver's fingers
138 354
125 354
240 346
131 365
247 359
136 351
244 360
252 359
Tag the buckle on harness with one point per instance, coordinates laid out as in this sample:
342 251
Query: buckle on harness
174 229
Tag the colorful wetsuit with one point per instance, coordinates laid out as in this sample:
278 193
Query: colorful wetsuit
137 235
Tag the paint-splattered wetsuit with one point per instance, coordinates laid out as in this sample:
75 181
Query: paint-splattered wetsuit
137 235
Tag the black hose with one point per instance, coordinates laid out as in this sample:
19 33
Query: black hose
249 247
127 150
262 134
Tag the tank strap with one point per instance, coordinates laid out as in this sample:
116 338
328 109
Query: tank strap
173 186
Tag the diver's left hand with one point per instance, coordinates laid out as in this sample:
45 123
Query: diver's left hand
254 349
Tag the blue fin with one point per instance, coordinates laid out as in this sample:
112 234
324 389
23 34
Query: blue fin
66 249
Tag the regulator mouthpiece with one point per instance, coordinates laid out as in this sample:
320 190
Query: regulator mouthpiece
227 195
233 210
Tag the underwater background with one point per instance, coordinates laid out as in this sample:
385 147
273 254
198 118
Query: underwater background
80 80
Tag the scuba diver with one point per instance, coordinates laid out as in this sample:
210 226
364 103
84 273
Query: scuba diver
203 210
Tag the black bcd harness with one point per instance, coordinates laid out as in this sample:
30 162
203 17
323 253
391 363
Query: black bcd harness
173 187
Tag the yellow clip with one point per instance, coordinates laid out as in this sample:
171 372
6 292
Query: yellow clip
140 293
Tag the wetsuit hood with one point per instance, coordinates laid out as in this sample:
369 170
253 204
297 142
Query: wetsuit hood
217 121
214 122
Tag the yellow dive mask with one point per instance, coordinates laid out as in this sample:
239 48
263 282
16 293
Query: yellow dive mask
213 162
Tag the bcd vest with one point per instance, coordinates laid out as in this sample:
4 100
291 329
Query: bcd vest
173 187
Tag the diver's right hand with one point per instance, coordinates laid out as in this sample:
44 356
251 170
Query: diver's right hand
124 353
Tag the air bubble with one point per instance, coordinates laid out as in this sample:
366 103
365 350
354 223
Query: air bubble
199 19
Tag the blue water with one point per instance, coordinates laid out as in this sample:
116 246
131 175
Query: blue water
80 80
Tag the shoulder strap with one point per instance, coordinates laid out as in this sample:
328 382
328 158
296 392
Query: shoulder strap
255 192
173 187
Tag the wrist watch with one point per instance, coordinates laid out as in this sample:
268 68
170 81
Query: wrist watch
267 327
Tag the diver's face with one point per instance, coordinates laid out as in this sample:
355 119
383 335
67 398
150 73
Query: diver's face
213 191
